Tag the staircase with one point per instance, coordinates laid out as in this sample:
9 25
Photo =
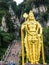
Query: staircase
12 52
6 53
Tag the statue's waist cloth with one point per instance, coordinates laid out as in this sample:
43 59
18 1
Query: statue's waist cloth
32 46
32 38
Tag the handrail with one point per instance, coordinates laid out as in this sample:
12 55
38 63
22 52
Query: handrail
8 51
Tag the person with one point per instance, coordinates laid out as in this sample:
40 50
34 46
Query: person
31 37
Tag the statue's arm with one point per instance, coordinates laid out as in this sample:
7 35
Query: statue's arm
39 27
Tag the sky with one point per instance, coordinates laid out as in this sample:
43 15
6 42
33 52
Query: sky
18 1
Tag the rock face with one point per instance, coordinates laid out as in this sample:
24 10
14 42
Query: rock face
3 26
41 9
15 21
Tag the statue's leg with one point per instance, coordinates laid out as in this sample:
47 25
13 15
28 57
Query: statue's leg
33 53
39 48
30 52
36 52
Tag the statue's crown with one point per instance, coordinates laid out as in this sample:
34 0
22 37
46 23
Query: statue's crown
31 13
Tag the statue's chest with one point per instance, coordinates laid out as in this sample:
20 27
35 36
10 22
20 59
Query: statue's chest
31 27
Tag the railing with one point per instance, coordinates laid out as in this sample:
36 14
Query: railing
8 51
6 57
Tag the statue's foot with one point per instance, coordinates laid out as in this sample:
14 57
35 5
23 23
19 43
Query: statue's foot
44 63
37 63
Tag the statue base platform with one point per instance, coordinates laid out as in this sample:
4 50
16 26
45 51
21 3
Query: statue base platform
34 64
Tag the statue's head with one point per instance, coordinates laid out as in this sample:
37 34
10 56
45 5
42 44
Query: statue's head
31 15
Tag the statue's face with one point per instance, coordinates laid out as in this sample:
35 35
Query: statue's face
31 16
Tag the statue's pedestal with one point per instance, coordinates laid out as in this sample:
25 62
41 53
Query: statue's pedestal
31 64
28 64
34 64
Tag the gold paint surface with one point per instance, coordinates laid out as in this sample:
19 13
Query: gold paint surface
32 39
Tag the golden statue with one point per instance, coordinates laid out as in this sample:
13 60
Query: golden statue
32 39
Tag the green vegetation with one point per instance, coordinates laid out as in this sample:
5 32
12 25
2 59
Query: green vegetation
5 37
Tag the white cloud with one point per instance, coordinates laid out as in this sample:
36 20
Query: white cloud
18 1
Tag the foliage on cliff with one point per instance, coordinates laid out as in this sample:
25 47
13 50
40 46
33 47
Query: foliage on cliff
5 37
